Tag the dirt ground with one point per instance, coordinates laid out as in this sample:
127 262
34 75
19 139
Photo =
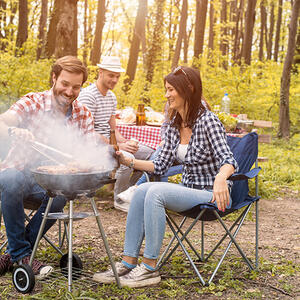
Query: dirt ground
279 241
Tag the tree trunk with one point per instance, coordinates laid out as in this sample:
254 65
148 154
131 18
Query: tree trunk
182 29
263 17
249 24
201 11
284 113
42 29
223 40
238 31
85 31
96 50
278 28
172 29
138 35
212 21
3 24
22 34
156 40
271 31
3 15
51 35
66 38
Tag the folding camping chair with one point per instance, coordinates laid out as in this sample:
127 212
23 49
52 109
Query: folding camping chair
245 151
33 206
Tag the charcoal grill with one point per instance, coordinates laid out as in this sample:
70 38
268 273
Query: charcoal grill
70 186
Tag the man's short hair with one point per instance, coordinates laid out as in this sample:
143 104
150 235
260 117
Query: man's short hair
70 64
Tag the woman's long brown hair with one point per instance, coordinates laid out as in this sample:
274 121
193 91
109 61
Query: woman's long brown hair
188 84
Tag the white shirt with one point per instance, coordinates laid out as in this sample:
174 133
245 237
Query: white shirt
181 152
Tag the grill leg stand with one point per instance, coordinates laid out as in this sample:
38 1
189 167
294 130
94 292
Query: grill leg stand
70 254
40 233
112 263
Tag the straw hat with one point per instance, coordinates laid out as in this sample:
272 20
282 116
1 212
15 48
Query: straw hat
111 63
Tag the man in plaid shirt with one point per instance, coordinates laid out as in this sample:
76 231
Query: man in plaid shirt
33 117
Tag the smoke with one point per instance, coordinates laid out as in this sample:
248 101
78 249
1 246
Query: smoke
67 138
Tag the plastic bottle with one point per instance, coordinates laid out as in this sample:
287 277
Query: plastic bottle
225 104
140 115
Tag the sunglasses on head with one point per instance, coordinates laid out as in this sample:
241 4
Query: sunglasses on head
179 70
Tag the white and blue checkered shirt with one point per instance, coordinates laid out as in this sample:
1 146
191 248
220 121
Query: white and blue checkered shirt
207 152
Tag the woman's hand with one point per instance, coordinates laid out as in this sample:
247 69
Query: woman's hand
220 192
124 160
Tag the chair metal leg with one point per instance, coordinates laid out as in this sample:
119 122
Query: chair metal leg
159 265
225 235
27 217
186 253
233 237
186 238
183 237
3 245
202 240
256 233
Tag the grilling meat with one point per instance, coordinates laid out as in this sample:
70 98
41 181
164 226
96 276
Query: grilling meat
71 168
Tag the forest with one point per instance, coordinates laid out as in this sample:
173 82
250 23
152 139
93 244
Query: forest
249 49
240 47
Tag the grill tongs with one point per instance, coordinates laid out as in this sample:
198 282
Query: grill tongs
42 149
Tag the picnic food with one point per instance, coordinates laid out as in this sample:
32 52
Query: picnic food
155 118
70 168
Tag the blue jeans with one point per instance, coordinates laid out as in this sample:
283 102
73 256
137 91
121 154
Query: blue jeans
174 170
146 216
17 186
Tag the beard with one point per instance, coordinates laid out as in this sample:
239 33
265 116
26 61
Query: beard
61 99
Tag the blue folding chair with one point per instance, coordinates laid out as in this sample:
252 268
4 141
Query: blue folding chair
245 151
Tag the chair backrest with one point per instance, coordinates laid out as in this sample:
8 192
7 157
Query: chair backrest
245 152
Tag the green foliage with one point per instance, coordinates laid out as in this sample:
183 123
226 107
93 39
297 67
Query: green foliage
228 121
282 169
20 75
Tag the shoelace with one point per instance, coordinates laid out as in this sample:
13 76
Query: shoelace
136 270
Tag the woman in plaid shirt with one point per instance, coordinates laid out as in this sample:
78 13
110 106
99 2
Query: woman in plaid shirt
197 138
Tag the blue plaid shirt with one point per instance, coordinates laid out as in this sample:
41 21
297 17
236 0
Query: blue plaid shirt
207 152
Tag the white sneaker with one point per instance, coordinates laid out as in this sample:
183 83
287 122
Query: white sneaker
121 205
139 277
127 195
109 276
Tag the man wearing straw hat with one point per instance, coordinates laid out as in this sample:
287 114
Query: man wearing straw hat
102 103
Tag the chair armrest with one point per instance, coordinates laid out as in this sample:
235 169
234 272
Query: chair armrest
245 176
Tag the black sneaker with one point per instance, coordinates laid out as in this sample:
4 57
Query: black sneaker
5 264
39 269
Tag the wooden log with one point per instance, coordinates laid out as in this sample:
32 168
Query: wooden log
265 138
262 124
262 159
